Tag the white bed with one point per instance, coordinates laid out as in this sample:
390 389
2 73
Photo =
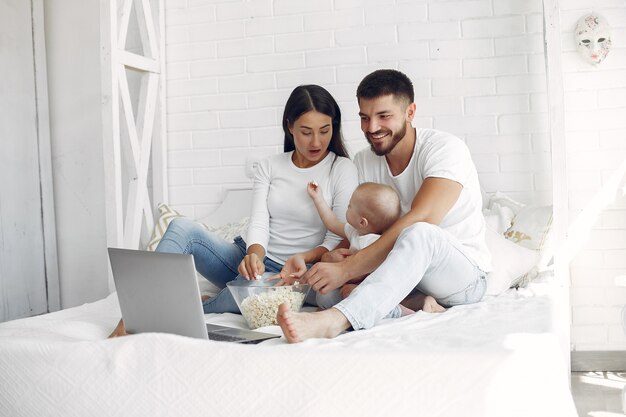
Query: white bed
501 357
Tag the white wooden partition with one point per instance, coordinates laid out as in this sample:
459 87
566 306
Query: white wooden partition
133 117
29 272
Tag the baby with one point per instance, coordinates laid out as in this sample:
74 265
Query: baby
372 209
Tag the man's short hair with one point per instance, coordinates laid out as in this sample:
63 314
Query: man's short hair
385 82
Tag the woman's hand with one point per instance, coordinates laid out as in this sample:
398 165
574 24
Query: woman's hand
294 268
251 266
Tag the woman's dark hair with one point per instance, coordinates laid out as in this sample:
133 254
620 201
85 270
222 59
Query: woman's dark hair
305 98
385 82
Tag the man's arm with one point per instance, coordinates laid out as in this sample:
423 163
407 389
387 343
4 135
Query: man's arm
432 202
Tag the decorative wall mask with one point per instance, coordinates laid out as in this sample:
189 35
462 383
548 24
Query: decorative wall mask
593 38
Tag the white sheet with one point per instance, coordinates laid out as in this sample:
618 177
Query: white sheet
498 358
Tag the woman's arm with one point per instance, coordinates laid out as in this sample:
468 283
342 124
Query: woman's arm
252 265
259 227
257 237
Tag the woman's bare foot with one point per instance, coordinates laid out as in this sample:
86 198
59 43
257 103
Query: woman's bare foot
419 301
432 306
404 311
299 326
119 330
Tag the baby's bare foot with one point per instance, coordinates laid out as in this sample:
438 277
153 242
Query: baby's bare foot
120 330
299 326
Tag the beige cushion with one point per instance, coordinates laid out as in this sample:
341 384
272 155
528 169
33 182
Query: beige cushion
532 228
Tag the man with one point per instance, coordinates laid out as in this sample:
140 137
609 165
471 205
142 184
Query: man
436 248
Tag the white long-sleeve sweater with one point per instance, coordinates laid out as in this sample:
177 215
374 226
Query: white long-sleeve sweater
284 219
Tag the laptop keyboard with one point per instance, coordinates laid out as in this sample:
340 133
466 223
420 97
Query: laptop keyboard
230 334
224 337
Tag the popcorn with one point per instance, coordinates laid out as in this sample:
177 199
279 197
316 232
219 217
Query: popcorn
260 310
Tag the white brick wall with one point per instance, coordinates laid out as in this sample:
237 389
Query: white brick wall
231 66
595 104
478 70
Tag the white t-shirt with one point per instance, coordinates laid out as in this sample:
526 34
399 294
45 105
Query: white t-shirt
357 241
441 155
284 219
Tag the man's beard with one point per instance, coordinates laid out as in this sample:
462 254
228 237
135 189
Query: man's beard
395 139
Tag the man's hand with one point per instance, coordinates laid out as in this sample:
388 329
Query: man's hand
336 255
325 276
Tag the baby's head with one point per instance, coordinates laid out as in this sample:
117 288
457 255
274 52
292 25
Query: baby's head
373 208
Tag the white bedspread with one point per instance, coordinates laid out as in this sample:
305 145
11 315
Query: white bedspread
498 358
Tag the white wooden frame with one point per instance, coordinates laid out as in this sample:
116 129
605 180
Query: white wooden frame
128 223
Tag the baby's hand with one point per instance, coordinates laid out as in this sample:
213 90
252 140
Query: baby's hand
314 190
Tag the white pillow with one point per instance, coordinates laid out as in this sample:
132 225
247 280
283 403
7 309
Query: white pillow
230 231
504 200
498 217
512 263
530 226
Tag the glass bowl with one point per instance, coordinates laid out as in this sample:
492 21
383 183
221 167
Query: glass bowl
258 300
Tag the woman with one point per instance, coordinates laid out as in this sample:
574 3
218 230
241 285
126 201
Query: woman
285 231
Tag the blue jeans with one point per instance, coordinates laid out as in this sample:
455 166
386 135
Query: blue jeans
216 259
424 258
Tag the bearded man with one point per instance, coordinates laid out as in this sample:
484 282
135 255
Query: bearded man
435 249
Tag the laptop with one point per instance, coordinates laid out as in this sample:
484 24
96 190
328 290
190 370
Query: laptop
158 292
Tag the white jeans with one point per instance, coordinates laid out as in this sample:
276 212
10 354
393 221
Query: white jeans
425 259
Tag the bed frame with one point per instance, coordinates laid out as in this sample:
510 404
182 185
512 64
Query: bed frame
236 205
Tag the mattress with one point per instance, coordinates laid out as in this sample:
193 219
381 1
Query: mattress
500 357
